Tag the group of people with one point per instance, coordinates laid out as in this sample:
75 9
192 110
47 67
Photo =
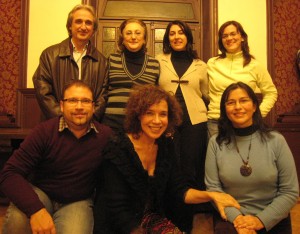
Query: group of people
137 144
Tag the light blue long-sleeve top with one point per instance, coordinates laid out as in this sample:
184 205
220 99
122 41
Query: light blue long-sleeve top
269 192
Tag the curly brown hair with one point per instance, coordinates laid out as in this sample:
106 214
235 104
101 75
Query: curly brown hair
140 100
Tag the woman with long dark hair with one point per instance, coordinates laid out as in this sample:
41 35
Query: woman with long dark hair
185 75
252 163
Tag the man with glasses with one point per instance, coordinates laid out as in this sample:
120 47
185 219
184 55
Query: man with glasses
75 58
50 179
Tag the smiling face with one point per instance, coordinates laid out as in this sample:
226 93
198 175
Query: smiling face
177 38
240 108
133 37
77 115
155 120
232 39
82 27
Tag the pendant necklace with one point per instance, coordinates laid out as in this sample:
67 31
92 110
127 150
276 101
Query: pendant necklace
245 169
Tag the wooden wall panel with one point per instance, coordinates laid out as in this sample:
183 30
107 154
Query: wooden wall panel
29 113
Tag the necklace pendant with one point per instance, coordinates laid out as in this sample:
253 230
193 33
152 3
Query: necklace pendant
245 170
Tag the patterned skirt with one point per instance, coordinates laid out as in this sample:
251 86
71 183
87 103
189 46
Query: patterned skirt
156 224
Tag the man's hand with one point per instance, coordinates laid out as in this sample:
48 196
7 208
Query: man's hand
42 223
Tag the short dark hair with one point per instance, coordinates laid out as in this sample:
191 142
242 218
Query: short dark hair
76 83
245 47
79 7
167 49
121 47
140 100
225 126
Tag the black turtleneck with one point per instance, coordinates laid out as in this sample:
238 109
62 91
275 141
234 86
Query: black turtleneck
245 131
181 62
134 60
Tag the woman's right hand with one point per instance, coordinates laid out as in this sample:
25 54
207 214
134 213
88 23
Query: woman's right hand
223 200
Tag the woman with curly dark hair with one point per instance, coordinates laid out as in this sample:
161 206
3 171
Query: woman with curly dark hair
140 172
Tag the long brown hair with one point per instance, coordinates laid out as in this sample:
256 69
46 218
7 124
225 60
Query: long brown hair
245 47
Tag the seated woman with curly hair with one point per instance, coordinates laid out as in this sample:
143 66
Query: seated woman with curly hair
140 171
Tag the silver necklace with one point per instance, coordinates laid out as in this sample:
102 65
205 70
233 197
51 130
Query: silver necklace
245 169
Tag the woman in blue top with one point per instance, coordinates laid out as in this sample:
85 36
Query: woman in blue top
253 164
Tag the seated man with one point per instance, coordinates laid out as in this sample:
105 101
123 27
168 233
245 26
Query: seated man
61 157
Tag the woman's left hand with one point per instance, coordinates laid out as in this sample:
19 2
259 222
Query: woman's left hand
249 222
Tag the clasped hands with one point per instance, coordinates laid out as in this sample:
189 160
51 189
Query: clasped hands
247 224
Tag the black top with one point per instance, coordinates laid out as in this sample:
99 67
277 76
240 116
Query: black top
126 191
245 131
134 60
181 62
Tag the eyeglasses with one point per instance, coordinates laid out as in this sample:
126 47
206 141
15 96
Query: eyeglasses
232 34
242 101
74 101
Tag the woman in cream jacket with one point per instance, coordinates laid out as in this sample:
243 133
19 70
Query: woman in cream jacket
185 75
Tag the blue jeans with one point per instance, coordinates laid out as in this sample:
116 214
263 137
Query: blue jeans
212 128
72 218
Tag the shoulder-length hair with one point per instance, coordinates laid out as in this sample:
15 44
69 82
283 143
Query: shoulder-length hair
226 130
121 47
80 7
167 49
245 47
141 99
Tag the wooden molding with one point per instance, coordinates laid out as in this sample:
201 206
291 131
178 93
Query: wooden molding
28 111
23 43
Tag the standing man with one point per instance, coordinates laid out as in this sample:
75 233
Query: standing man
75 58
50 179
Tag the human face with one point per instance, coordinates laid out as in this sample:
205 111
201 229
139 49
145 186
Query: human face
77 116
155 120
82 26
133 37
240 108
177 38
232 40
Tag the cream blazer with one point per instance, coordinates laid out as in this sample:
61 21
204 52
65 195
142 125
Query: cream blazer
193 83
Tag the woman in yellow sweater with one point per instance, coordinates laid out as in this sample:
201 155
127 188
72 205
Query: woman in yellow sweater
233 64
